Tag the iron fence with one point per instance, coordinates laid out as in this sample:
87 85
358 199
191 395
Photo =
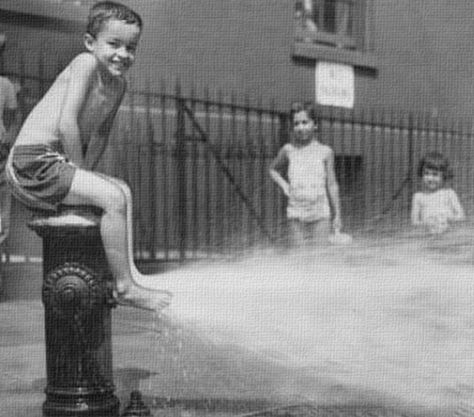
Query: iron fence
198 167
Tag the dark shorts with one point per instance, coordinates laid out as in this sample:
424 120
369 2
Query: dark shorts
40 176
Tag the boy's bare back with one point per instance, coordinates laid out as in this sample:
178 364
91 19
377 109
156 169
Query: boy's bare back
81 85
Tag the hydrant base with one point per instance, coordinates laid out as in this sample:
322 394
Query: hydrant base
106 408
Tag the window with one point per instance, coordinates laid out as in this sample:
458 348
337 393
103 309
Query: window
60 10
335 23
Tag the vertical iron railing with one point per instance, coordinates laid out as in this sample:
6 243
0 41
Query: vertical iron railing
181 172
198 166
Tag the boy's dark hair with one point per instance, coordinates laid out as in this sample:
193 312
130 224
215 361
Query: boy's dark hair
436 161
104 11
307 107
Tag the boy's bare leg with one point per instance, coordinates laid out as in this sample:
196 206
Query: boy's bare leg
115 228
129 205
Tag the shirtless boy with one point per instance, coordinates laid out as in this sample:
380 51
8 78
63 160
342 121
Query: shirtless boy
49 163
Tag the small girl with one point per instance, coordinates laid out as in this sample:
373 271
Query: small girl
312 188
436 205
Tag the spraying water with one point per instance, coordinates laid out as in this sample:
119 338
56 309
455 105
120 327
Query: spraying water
391 320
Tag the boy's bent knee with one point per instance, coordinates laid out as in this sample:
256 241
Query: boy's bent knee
124 187
122 184
98 190
116 202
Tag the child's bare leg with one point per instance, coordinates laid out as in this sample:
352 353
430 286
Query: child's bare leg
92 189
320 231
129 217
297 235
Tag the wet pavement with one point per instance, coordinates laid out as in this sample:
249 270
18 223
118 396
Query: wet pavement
177 377
140 364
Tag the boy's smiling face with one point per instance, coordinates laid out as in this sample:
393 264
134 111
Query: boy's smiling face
115 46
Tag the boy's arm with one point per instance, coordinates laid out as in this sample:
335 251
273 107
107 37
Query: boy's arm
99 140
333 190
276 165
82 69
458 211
415 210
13 127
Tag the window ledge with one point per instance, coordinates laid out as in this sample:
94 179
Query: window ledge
343 56
49 9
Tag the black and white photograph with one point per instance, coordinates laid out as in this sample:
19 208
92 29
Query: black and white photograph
237 208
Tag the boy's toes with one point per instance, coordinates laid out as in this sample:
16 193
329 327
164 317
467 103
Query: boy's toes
152 300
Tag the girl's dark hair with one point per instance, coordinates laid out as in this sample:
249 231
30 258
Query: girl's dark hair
435 161
307 107
104 11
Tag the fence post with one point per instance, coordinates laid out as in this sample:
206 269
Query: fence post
284 129
180 155
283 136
410 154
150 136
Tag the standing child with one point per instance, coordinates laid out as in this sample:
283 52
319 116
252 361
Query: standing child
436 205
10 121
311 188
49 163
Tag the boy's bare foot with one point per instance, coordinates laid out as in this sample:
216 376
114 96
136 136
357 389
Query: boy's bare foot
144 298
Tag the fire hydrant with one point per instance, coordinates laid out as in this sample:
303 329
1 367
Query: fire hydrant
77 297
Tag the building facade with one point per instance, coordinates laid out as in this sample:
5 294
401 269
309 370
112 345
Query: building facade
367 55
404 54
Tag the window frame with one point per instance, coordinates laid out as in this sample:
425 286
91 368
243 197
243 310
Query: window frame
67 12
355 50
353 41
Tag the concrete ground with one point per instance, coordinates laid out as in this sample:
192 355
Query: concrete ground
140 363
190 379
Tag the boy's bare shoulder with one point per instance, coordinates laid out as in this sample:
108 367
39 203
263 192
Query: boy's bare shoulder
85 58
84 63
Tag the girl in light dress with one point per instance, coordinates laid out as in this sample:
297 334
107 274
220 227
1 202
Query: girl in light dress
436 205
311 187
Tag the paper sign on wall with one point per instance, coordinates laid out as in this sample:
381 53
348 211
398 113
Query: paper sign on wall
334 84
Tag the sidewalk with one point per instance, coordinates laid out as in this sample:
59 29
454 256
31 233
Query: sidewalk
195 378
190 376
139 361
175 368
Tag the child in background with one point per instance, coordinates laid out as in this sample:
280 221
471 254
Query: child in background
66 133
312 188
10 121
436 205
